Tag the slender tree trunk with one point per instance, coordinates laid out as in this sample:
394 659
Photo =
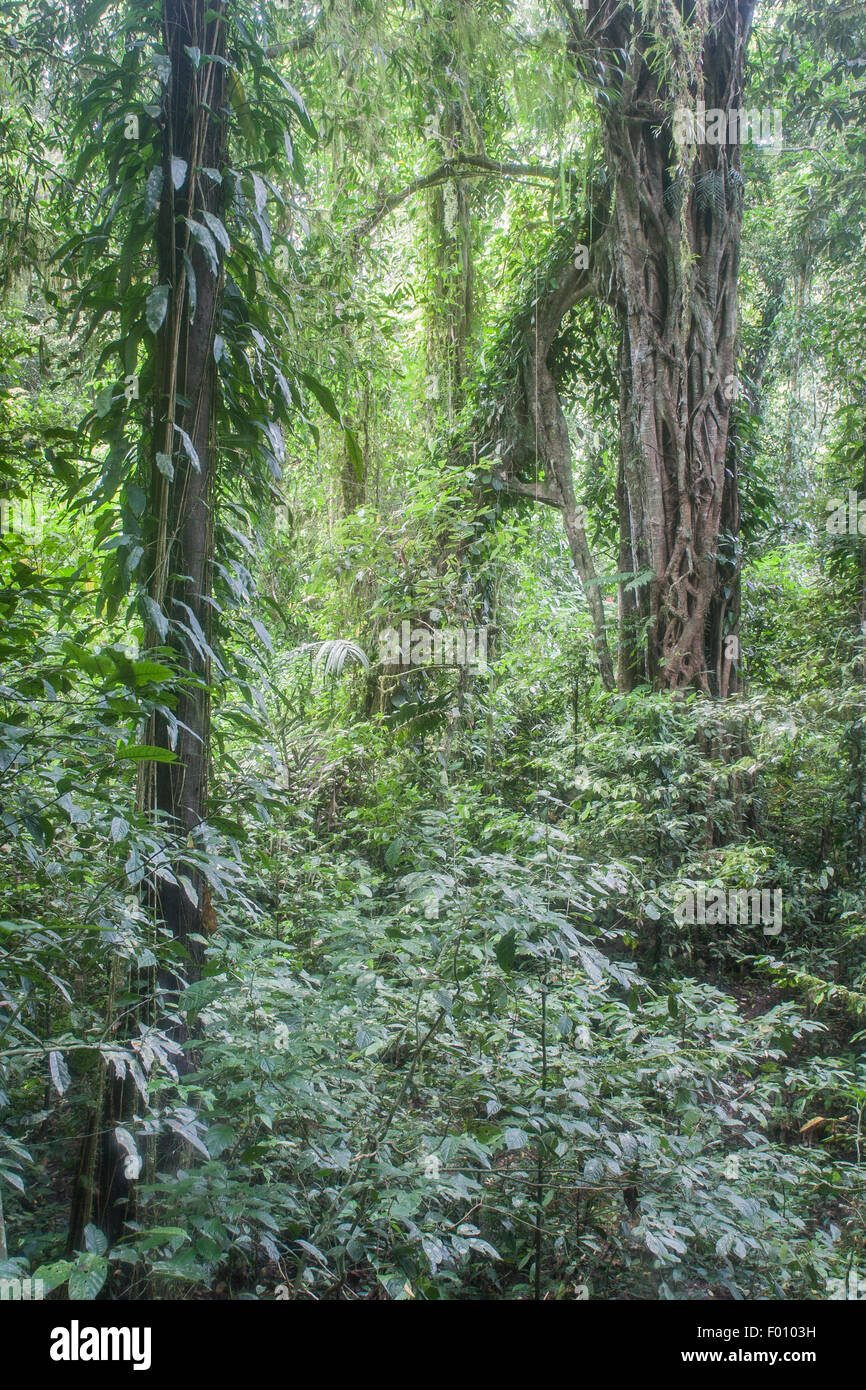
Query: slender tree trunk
185 399
528 433
181 544
552 444
633 555
450 312
353 488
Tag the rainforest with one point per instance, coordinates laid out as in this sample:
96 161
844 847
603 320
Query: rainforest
432 656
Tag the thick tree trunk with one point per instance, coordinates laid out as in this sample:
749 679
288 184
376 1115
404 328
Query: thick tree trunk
668 266
675 250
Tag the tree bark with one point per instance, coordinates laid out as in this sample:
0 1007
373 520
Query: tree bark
449 328
675 250
185 400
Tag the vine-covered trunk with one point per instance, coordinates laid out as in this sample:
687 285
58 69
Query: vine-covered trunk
677 211
181 540
184 431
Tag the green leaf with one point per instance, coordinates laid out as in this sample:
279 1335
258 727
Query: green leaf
59 1072
144 752
78 815
393 853
218 1138
506 950
218 230
515 1138
152 610
262 633
53 1275
322 395
191 285
119 829
104 401
150 671
205 241
95 1240
156 307
260 193
189 449
87 1277
356 458
153 189
188 888
160 1235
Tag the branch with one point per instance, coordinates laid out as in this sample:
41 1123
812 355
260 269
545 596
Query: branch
469 165
577 25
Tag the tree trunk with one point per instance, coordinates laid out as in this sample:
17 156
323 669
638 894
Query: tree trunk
675 251
552 445
449 325
181 540
668 266
185 371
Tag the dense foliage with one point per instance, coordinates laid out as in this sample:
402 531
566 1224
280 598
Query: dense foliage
440 1030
